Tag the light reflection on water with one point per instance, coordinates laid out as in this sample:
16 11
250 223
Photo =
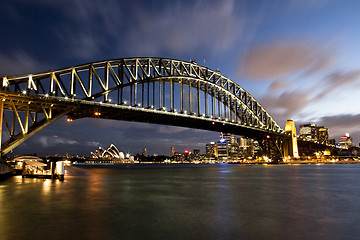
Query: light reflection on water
211 202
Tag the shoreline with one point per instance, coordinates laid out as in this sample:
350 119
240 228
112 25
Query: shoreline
164 165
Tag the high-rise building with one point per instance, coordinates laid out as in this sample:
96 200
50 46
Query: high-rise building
323 135
144 152
196 154
244 147
211 150
227 146
172 151
222 149
307 131
311 132
345 141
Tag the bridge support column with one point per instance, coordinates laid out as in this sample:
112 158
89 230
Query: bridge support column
272 147
290 145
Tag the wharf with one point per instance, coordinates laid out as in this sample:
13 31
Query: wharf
34 167
44 176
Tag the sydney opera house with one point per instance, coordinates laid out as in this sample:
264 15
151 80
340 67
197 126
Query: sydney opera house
112 153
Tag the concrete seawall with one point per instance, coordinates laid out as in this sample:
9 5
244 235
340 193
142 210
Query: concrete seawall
5 170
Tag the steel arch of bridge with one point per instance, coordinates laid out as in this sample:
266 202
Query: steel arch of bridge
154 90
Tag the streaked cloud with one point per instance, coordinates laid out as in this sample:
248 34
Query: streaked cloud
280 59
341 124
48 141
278 85
285 105
19 62
335 81
183 27
143 28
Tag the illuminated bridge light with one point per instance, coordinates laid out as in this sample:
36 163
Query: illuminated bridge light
23 92
66 98
46 95
125 102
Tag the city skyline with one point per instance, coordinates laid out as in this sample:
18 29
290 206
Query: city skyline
297 58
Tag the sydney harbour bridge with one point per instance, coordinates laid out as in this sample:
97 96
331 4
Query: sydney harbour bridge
151 90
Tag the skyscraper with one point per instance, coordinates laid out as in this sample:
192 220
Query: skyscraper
345 141
312 132
172 151
144 152
211 150
227 146
196 154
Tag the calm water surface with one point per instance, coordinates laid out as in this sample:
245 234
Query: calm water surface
203 202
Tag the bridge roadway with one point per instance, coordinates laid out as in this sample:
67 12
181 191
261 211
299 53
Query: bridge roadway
76 109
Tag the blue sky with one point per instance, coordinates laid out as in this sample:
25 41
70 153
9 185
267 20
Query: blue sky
299 58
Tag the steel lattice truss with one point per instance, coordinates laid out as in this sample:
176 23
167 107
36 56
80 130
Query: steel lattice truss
145 85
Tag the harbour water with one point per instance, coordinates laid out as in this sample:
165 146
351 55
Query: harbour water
198 202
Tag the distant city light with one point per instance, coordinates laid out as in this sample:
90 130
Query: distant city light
222 140
97 113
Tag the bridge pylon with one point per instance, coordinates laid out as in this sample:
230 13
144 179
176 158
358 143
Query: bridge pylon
290 145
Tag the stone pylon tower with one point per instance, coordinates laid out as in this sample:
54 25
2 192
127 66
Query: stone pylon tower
291 147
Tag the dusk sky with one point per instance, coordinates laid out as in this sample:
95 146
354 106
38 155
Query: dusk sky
299 58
